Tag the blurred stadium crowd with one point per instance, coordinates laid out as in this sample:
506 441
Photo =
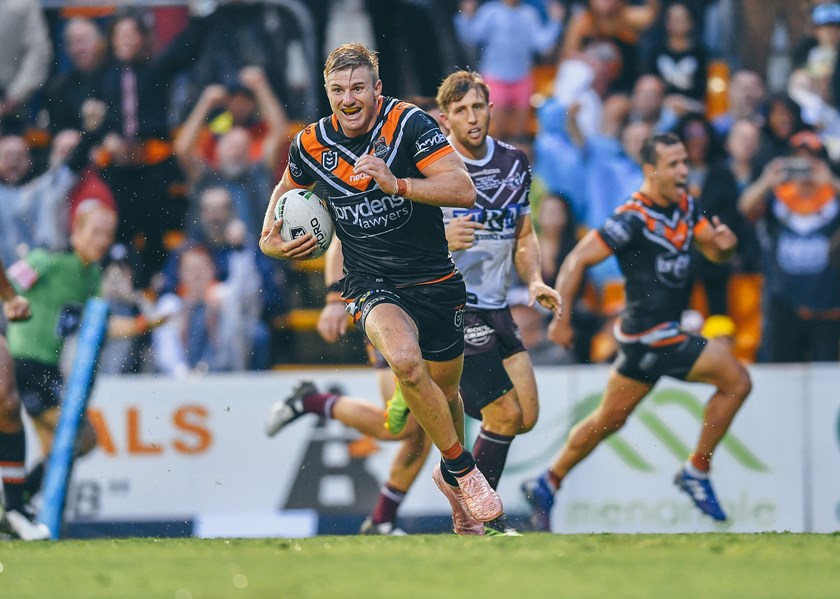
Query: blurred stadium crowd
179 114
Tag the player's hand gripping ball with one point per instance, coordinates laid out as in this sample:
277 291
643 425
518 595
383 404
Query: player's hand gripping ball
303 212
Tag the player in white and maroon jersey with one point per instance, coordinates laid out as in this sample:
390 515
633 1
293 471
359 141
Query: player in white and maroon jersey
489 241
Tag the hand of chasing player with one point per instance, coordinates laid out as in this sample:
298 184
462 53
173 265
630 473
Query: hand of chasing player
547 296
724 238
377 169
560 331
332 323
272 244
460 232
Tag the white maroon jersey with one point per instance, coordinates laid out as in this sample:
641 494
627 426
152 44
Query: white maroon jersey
502 181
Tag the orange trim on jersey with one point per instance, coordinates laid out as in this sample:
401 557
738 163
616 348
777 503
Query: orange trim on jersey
435 156
798 204
670 341
389 127
432 282
287 179
312 146
676 236
345 171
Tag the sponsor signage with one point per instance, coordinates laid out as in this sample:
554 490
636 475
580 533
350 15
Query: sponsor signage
194 450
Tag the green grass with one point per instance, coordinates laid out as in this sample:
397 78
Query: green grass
711 566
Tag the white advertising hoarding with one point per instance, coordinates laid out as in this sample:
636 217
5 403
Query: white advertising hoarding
823 441
195 451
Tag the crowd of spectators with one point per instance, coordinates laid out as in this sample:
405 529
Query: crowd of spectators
179 117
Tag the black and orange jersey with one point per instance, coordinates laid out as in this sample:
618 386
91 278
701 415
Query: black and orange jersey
383 236
795 235
653 247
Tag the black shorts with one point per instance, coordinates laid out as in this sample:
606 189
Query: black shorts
436 308
39 385
674 357
490 336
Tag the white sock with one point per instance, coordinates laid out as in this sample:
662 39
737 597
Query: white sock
689 467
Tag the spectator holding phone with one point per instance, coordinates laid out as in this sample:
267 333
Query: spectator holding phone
797 211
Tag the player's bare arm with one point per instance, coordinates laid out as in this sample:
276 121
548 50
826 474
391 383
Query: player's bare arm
445 182
271 243
332 322
526 259
588 252
716 242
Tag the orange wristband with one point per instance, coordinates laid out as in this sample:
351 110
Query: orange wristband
402 187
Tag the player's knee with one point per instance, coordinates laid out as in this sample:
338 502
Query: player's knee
9 407
504 415
741 385
529 421
408 367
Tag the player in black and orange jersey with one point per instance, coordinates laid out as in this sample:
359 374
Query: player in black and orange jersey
651 235
387 169
14 515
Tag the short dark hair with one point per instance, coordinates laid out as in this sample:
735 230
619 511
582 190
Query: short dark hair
352 56
457 85
649 154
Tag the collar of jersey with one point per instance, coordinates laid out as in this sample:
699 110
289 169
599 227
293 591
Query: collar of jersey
491 146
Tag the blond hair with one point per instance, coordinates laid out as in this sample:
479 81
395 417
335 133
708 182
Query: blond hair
352 56
457 85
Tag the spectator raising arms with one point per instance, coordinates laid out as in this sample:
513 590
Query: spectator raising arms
247 177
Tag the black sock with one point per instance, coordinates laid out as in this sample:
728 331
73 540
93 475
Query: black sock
460 466
490 451
33 481
13 468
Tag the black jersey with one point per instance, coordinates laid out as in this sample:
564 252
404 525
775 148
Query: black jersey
653 247
383 236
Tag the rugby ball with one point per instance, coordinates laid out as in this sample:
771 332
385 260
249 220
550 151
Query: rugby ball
303 212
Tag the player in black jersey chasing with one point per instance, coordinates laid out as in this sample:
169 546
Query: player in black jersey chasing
386 169
651 235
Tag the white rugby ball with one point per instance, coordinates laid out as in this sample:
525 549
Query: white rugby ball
303 212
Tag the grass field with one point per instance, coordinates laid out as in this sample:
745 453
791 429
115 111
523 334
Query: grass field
712 566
